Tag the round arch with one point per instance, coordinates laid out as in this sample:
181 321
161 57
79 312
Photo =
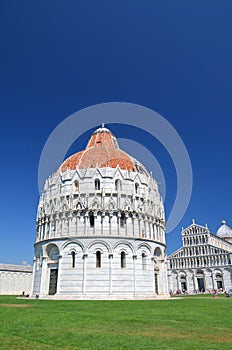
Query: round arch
52 251
74 242
158 252
146 245
99 242
124 243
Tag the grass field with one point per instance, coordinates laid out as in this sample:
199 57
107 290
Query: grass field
191 322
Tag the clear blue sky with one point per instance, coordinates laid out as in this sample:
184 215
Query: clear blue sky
58 57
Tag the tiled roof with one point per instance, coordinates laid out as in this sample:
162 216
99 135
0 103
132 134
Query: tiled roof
16 268
102 151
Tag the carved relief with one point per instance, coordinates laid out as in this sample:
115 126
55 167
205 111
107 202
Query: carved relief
111 204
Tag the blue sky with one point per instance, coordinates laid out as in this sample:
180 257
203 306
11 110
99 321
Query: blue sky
58 57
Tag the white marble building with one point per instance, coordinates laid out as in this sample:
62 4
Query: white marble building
204 261
100 228
15 279
101 235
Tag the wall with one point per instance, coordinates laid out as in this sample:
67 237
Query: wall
15 279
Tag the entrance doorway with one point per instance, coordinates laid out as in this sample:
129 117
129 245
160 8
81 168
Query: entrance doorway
219 281
200 279
53 281
183 286
156 284
201 284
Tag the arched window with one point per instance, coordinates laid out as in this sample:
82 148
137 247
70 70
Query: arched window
98 258
79 205
123 260
122 220
76 185
157 252
53 252
97 184
118 185
136 187
73 259
143 261
91 219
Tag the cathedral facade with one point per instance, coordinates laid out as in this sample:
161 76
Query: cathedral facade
100 228
203 263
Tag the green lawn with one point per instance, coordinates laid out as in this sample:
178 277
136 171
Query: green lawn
199 322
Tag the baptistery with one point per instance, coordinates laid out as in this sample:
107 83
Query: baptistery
100 228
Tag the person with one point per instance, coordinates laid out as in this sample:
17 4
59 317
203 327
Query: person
228 293
215 293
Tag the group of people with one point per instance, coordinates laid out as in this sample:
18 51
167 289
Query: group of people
214 292
226 293
177 292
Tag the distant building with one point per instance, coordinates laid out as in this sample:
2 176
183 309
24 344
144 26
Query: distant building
15 279
100 228
204 261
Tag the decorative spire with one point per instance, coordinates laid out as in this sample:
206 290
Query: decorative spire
223 222
103 125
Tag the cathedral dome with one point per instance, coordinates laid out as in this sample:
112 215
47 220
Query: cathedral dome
224 231
102 151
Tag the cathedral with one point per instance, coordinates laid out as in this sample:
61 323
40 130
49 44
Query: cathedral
100 228
204 262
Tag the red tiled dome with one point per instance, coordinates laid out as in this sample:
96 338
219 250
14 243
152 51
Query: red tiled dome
102 151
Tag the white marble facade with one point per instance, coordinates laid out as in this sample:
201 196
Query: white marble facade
100 228
204 261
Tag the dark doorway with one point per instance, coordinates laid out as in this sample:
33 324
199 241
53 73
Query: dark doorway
219 284
201 284
219 281
183 286
53 281
156 284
